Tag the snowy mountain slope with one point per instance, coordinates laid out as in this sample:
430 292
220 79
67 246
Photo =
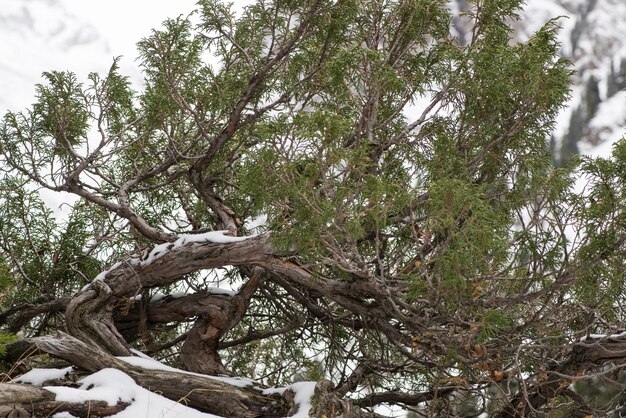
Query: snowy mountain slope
592 38
41 35
74 35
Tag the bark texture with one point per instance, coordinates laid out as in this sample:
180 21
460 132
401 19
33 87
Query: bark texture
222 396
200 392
25 401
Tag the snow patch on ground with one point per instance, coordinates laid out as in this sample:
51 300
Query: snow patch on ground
113 386
38 377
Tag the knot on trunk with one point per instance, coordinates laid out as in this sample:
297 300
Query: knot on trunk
199 353
327 404
89 317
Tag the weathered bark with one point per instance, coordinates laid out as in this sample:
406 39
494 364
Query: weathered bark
397 397
127 279
130 278
89 317
217 314
18 316
11 393
328 404
200 350
89 313
219 396
166 311
21 400
199 392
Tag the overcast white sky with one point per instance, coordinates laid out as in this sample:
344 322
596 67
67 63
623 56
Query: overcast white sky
124 22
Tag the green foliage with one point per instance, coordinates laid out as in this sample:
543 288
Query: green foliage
4 340
60 110
493 322
471 234
114 97
449 224
40 256
602 256
27 233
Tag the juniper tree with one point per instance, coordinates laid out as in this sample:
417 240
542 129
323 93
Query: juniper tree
380 197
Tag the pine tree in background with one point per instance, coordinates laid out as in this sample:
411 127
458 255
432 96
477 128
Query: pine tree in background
592 98
617 78
381 198
569 144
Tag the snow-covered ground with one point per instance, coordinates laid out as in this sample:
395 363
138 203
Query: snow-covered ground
113 386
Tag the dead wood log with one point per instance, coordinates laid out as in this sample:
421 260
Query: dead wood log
231 398
24 401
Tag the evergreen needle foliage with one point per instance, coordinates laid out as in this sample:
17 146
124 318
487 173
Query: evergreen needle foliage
419 248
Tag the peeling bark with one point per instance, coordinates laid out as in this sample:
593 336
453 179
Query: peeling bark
208 394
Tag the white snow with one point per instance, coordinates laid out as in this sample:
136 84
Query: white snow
140 354
256 222
536 13
152 364
38 377
592 52
157 252
608 125
63 415
303 394
102 275
221 291
177 295
217 237
113 386
610 337
304 391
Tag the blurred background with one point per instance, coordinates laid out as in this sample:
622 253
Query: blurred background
84 36
81 36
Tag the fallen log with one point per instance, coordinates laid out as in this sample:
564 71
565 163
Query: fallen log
19 400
